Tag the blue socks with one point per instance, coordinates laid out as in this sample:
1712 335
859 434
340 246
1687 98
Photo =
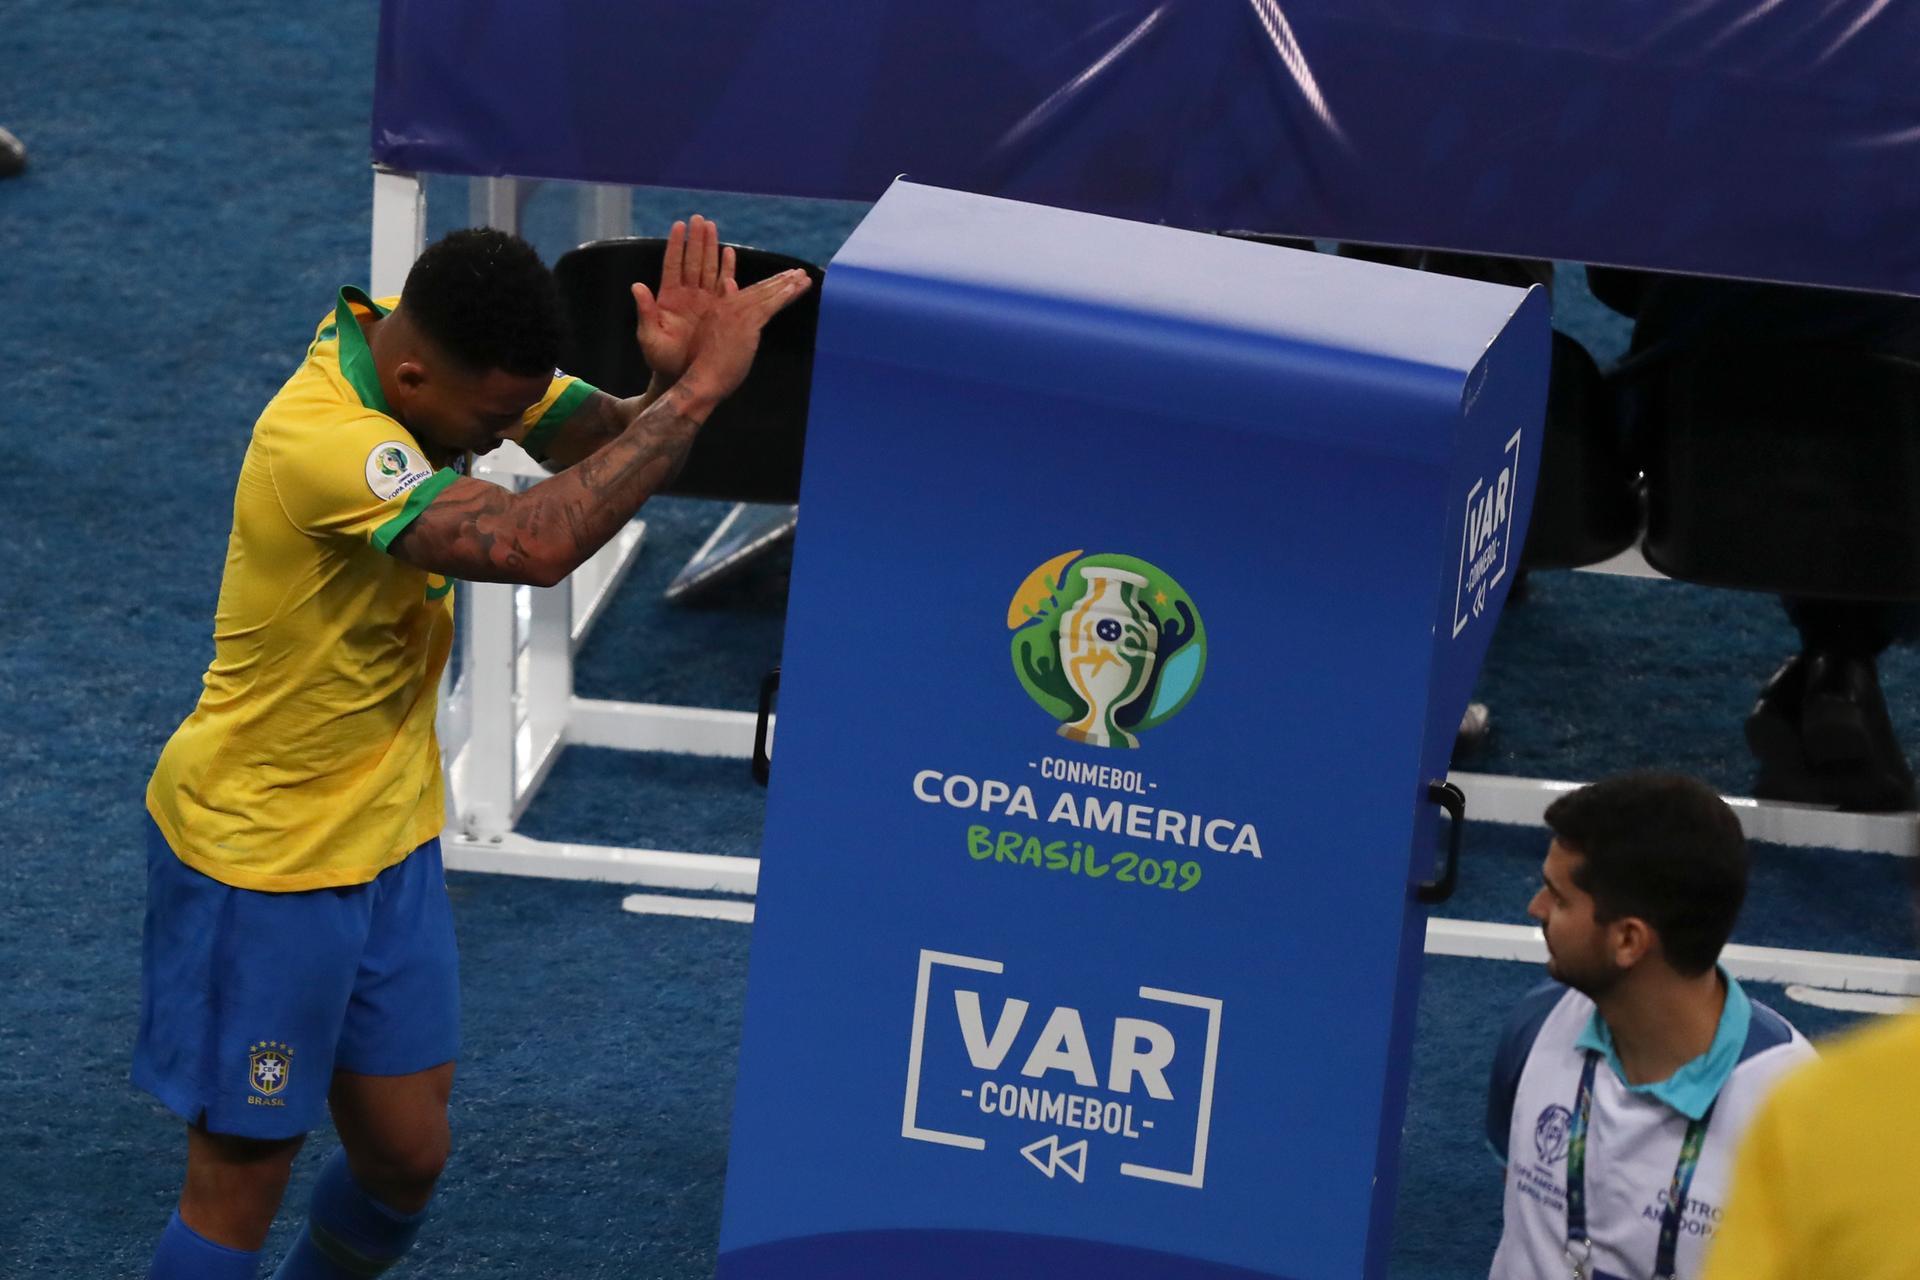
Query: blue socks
350 1235
185 1254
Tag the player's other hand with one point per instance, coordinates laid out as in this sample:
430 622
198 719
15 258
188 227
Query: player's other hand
695 274
721 350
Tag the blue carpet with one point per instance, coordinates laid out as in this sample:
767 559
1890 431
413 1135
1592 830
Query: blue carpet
198 189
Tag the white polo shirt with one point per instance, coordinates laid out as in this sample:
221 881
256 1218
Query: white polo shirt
1633 1135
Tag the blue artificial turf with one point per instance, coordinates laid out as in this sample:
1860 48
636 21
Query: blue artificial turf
198 189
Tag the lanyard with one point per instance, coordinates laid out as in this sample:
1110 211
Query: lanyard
1579 1244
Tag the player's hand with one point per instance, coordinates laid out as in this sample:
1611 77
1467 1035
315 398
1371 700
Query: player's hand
721 350
696 274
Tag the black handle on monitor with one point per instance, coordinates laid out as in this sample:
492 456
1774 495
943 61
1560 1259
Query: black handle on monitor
1454 801
762 758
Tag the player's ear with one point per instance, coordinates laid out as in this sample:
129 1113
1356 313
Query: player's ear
1632 940
412 375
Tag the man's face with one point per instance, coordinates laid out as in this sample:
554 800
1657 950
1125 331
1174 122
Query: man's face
1579 950
455 410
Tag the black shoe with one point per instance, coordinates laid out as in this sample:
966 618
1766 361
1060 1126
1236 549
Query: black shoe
13 155
1821 734
1848 736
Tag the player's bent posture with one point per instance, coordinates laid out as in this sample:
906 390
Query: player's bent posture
299 949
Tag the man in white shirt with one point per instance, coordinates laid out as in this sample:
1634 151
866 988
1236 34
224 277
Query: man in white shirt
1620 1089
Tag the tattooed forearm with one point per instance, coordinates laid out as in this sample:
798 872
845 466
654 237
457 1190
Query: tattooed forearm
483 533
596 423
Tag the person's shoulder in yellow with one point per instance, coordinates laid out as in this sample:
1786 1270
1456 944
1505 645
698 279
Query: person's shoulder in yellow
340 459
1826 1181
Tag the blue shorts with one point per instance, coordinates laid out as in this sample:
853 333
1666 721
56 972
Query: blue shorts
249 1001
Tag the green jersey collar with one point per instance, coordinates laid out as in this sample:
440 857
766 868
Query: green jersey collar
356 358
1691 1089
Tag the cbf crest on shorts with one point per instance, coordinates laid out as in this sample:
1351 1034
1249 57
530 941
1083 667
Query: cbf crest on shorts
269 1064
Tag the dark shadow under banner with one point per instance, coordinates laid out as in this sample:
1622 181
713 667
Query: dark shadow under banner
1731 137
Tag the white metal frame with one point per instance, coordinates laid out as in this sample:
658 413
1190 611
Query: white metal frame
512 709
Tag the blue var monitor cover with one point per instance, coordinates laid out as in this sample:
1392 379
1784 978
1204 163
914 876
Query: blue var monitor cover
1137 566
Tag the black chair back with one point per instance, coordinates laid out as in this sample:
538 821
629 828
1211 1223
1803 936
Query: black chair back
750 449
1792 469
1586 507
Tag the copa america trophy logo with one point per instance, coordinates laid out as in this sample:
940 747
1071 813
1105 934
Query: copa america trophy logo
1109 645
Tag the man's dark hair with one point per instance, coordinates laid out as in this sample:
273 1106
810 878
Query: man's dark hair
487 301
1664 848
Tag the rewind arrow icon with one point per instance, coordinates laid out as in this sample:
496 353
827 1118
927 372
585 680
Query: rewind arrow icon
1049 1157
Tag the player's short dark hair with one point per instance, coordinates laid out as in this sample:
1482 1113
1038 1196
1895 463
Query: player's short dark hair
487 301
1662 847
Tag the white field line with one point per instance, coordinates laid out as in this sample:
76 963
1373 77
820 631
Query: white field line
1829 971
1848 1001
656 904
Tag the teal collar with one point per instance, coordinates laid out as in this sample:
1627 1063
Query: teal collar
1692 1089
356 358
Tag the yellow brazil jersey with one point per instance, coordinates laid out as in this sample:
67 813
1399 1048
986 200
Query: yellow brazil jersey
1823 1187
310 760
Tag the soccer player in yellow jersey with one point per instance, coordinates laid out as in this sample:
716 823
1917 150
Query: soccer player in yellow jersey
1825 1186
298 950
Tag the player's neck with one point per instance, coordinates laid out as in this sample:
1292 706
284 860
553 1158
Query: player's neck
387 339
392 339
1661 1020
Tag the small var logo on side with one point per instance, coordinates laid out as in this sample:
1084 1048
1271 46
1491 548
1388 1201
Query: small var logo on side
1486 536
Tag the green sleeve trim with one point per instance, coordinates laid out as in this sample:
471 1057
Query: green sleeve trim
417 501
558 412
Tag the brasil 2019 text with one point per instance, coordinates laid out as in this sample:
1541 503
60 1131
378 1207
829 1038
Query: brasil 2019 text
1081 858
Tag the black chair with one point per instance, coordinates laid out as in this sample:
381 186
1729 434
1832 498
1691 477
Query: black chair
1619 288
750 449
1586 507
1787 468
